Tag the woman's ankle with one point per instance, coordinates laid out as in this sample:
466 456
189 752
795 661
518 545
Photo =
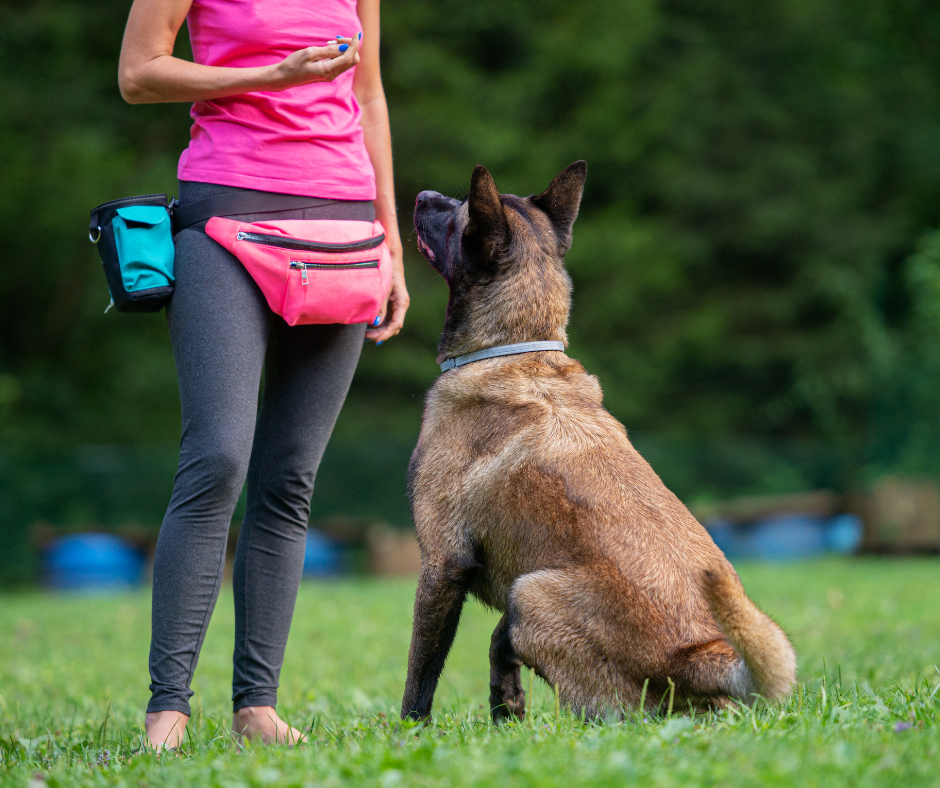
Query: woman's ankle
165 729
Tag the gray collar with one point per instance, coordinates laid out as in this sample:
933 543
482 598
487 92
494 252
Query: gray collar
501 350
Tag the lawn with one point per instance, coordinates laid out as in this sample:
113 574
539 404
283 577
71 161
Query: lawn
73 685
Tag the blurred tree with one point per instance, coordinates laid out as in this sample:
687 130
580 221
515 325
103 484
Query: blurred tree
758 173
904 424
68 142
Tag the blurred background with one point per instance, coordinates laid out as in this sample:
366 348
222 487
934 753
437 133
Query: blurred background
756 265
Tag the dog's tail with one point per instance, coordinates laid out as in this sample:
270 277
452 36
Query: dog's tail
768 662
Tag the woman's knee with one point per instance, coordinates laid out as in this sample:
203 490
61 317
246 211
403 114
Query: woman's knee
214 477
285 493
224 470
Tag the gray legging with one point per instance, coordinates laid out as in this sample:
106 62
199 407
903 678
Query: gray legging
223 333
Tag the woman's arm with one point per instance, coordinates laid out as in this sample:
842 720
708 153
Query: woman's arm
148 73
367 85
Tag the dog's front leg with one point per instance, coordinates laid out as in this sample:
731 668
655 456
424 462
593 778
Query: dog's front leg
442 589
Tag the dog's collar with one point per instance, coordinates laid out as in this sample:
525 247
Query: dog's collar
501 350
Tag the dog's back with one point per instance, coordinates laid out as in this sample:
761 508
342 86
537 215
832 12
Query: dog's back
549 481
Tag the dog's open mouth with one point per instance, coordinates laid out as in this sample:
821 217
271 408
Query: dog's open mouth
424 248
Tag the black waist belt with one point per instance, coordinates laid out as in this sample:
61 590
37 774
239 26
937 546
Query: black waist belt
237 203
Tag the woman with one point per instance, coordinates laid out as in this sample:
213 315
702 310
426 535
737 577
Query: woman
281 106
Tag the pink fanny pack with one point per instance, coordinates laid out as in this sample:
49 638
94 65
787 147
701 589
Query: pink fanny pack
313 271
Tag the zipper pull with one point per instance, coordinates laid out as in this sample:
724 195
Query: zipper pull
302 267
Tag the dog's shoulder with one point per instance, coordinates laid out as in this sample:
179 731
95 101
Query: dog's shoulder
480 409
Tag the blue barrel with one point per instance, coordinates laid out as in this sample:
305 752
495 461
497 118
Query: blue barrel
321 556
844 534
92 561
788 536
728 536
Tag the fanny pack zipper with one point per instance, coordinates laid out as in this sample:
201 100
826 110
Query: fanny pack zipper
310 246
304 267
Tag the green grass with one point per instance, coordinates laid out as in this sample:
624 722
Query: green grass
73 685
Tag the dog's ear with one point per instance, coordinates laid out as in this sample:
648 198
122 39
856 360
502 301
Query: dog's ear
487 227
561 200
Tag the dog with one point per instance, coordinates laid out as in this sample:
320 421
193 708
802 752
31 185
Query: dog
529 495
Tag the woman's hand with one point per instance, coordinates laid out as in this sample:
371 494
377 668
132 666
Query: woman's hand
149 74
316 64
393 316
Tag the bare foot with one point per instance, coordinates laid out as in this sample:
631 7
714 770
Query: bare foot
165 729
261 723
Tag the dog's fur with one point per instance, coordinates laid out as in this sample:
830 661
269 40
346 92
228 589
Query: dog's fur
528 494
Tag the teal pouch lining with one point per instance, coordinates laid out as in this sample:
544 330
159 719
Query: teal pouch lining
144 240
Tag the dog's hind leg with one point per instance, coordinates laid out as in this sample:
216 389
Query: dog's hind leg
710 672
507 698
584 632
442 589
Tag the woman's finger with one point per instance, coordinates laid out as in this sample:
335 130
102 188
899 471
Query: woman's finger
399 308
389 329
350 54
329 52
341 62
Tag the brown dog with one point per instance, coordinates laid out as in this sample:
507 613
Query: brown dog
528 494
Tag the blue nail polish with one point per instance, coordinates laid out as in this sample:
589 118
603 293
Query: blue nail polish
379 343
343 47
377 320
360 36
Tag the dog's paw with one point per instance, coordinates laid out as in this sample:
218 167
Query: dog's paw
507 708
415 716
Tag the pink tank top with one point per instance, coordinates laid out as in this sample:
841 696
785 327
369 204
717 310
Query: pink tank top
304 140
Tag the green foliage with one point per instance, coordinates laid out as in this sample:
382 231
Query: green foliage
68 372
753 261
905 430
73 685
757 174
755 278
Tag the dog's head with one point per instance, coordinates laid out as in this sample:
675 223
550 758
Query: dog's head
503 259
